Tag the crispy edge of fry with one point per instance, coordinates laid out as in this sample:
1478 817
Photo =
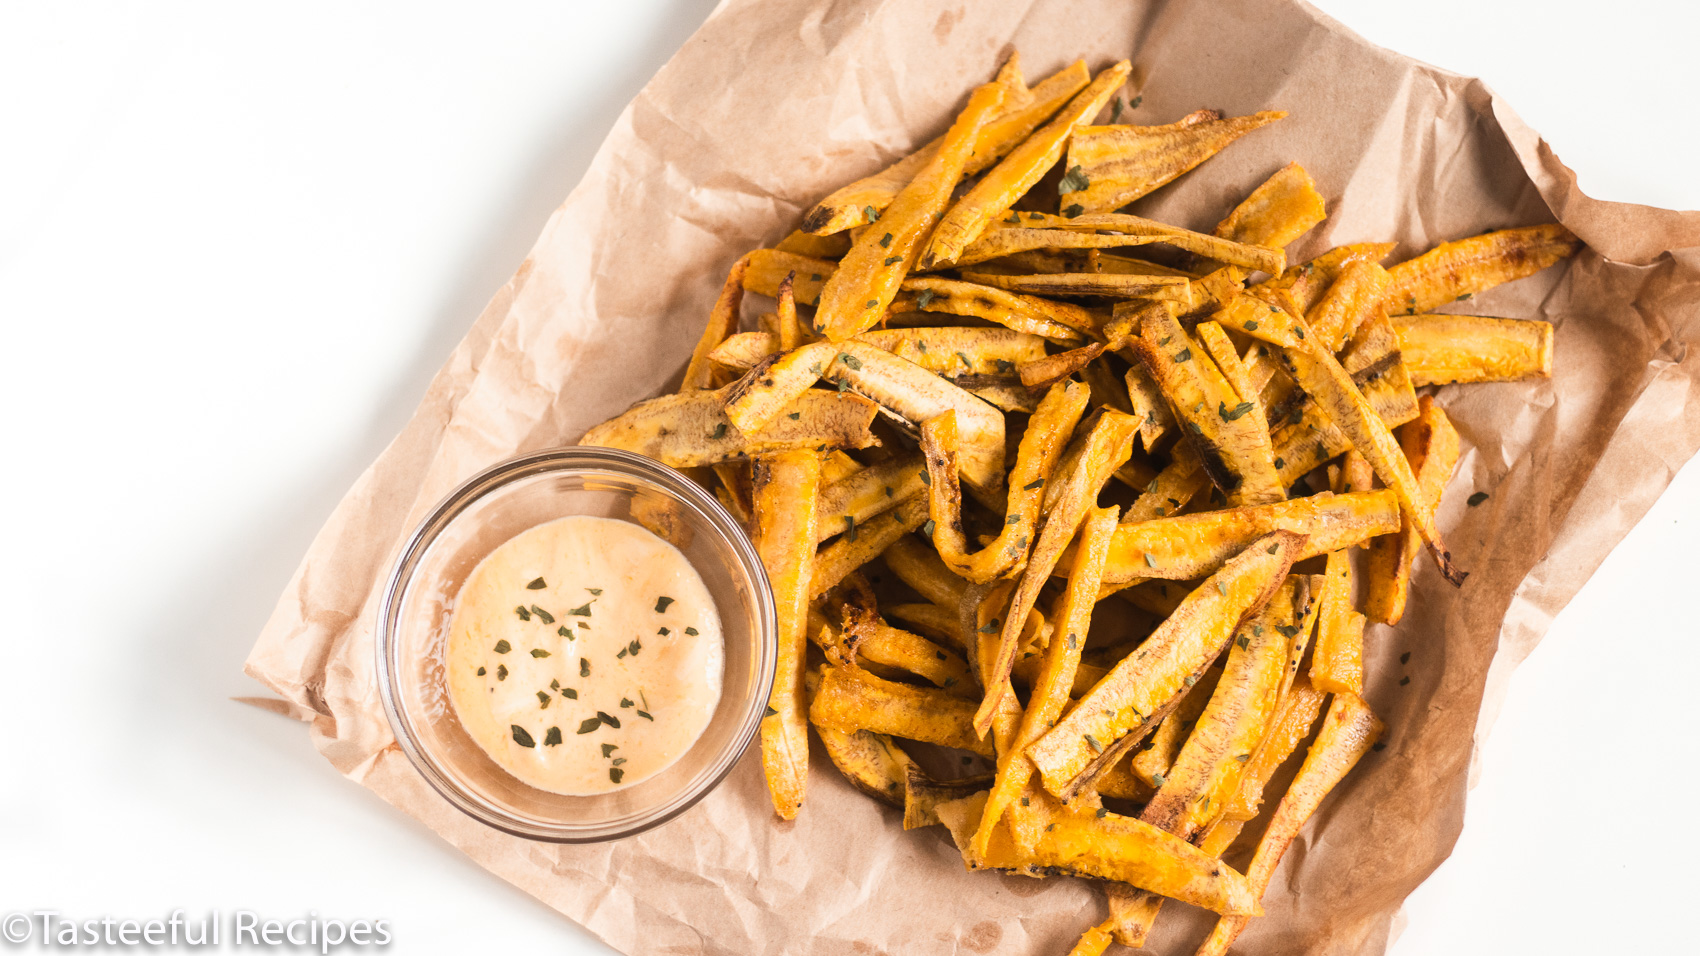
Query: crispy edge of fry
1305 283
791 332
872 491
1453 271
920 567
1041 446
868 277
1442 349
955 351
1319 374
786 491
1167 288
1337 662
1348 731
1105 448
923 794
1431 445
1153 758
722 322
1359 291
1051 691
851 699
1123 163
1300 705
1285 207
870 762
1249 255
874 640
1146 685
1016 173
768 267
1052 369
687 431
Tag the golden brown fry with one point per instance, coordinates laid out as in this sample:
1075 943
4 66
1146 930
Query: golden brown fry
1026 672
1305 284
850 205
1051 692
1176 485
871 762
1017 172
1300 706
932 620
1142 689
791 332
1146 402
1058 322
686 431
769 267
1227 358
1374 361
786 490
1299 639
1122 163
1012 236
1052 369
1208 767
1086 283
1357 294
882 644
920 567
1348 732
922 795
815 247
1234 451
1430 444
1188 547
876 489
1105 447
851 699
856 296
1161 598
1457 270
1320 375
845 554
745 350
1041 446
956 351
722 321
1443 349
1284 208
734 491
1337 665
1108 224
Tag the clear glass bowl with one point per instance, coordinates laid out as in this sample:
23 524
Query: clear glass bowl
489 509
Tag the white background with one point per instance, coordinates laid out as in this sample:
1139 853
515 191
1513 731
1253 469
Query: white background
235 244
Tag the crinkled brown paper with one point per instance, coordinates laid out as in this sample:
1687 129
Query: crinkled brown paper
773 104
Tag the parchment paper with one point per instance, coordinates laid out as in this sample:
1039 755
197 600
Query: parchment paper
771 105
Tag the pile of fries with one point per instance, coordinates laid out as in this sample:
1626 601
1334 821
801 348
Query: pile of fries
1170 442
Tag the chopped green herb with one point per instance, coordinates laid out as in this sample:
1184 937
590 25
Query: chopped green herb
1243 641
543 615
885 241
1250 325
501 672
552 738
893 260
1405 658
1462 297
594 592
539 652
1298 331
482 672
613 722
1102 812
543 699
621 654
870 214
1116 111
617 761
927 529
626 702
1230 414
635 646
965 360
719 431
1012 519
923 300
1150 561
1159 779
502 647
794 415
583 610
850 527
691 631
1280 463
521 737
645 715
991 626
569 693
524 615
615 773
664 632
1136 101
566 632
584 667
1092 742
1403 681
1073 181
1184 355
589 724
1242 758
1476 498
661 604
1024 801
1036 483
1073 210
536 585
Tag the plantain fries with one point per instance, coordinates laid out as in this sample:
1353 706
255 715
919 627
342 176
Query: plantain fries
1337 664
1454 271
856 296
1375 363
954 352
922 795
871 762
1152 760
872 491
1140 691
686 431
1048 371
851 699
786 487
1122 163
1027 231
767 268
846 553
722 322
1017 172
1086 283
1284 208
1300 705
1348 731
1449 349
1304 285
851 205
1359 292
1041 446
1430 444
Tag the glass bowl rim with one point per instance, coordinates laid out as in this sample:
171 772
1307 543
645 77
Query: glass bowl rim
568 460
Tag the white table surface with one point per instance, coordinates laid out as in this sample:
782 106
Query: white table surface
235 244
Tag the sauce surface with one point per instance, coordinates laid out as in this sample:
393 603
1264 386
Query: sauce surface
584 655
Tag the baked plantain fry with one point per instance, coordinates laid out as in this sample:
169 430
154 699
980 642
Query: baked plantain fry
744 350
931 620
851 699
1448 349
1430 444
1234 451
871 762
1233 368
815 247
1122 163
1348 731
1337 663
849 206
1358 293
791 331
1109 224
1292 723
1209 765
1041 446
1374 361
845 554
1153 758
1052 689
954 351
786 492
1453 271
921 568
845 505
1285 207
1016 173
722 322
1117 713
1305 284
1174 487
1087 283
1057 322
1105 447
769 267
922 795
1320 375
856 296
686 431
1012 236
1053 369
878 642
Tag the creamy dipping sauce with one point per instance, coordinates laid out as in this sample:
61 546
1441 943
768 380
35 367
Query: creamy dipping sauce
584 655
